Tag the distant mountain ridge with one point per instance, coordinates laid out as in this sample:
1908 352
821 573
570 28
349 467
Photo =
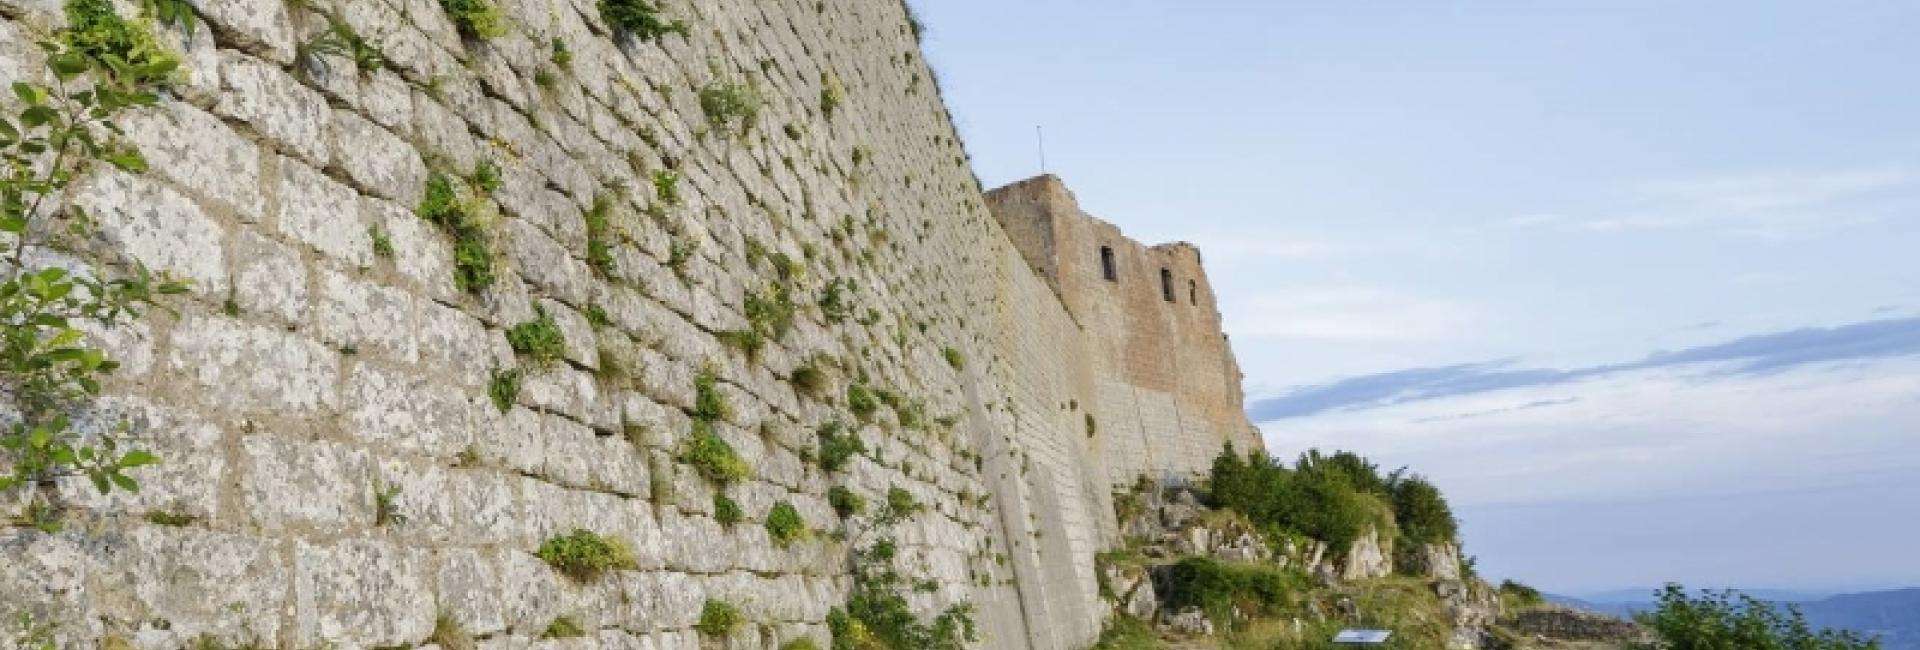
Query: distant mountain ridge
1892 615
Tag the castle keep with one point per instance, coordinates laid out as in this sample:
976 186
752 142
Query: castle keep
1165 387
458 302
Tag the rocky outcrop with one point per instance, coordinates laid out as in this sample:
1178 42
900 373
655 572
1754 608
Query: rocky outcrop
1368 557
1177 525
1168 525
1472 606
1437 561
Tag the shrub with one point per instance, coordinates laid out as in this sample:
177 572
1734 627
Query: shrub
709 404
836 300
837 446
954 358
1422 512
386 506
540 339
640 19
123 50
382 242
1318 500
725 510
1519 595
861 400
718 619
1218 588
504 388
666 185
900 503
599 222
770 311
877 617
730 106
785 525
103 66
748 342
466 217
802 643
712 456
1730 620
845 502
584 554
476 18
809 378
832 94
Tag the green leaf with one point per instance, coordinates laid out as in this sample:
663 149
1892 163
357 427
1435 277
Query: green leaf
69 64
100 483
36 116
138 458
14 225
27 92
128 160
125 482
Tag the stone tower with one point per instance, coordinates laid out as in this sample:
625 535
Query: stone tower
1166 389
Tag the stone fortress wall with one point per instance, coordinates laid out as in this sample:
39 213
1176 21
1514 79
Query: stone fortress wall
327 356
1166 391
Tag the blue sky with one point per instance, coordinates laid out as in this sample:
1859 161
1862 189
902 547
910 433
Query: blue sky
1634 282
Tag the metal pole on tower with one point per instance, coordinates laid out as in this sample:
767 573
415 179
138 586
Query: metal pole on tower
1040 137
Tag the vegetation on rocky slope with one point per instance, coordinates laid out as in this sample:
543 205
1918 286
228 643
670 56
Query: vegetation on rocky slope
1333 498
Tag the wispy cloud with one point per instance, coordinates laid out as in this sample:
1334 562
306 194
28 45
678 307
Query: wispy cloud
1748 355
1772 205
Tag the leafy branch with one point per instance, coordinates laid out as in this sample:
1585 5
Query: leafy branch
101 67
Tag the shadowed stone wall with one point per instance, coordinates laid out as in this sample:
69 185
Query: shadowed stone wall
327 355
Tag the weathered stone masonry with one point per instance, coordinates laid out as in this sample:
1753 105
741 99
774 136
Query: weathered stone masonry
1166 387
309 371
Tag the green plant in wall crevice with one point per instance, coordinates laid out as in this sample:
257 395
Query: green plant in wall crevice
467 216
476 18
639 19
539 340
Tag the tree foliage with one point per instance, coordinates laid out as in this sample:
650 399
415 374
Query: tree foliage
1728 620
1330 497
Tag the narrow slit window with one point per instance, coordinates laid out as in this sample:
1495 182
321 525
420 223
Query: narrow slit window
1166 285
1193 292
1107 269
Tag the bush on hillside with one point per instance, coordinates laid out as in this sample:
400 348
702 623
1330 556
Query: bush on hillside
1219 588
1728 620
1330 497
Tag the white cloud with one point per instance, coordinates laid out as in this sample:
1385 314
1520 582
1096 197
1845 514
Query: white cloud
1643 434
1770 205
1772 191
